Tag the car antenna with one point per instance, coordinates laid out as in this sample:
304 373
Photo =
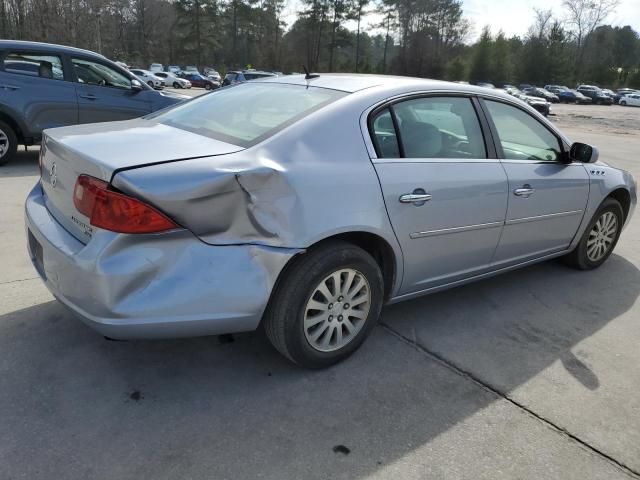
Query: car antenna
309 76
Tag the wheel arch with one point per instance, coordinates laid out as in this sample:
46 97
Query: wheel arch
379 248
623 196
8 119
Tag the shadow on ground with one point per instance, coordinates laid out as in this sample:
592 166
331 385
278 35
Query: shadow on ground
77 406
22 165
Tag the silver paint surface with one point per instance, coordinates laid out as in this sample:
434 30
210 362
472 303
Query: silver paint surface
244 213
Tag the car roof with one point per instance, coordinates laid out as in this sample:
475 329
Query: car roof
46 47
349 82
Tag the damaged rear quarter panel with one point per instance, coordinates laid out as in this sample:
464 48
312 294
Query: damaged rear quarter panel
308 182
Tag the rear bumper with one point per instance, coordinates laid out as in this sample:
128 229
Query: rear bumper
152 286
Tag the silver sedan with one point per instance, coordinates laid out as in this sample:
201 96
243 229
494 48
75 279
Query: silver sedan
306 203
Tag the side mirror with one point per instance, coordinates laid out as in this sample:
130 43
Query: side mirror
136 86
581 152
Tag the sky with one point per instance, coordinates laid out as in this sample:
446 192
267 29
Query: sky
513 17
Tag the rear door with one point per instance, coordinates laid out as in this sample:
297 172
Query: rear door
445 192
37 85
547 196
105 94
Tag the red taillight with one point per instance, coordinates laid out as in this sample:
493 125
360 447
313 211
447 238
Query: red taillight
114 211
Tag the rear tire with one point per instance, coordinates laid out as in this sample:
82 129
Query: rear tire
600 237
8 143
310 318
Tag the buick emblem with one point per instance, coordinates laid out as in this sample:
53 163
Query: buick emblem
52 175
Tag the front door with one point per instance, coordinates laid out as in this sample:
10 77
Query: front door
547 196
105 95
446 199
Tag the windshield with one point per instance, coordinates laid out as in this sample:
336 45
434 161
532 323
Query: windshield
247 113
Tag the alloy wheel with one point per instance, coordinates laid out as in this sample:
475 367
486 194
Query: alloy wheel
602 236
4 143
337 310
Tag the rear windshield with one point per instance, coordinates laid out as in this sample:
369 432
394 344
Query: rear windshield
248 113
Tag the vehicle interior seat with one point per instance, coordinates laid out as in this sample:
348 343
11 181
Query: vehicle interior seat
45 69
421 140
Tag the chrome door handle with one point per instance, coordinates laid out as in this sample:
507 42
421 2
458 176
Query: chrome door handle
9 87
525 191
415 198
89 96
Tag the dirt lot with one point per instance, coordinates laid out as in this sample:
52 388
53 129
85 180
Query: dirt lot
533 375
615 120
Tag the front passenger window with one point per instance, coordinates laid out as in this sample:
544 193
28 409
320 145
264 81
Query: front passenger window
522 137
93 73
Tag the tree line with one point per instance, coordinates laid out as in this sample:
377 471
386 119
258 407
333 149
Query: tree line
425 38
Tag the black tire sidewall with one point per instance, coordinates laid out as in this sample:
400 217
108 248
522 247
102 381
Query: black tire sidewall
176 85
300 289
13 143
609 205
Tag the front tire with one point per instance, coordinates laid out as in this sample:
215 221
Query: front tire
8 143
623 103
600 237
176 85
207 86
327 303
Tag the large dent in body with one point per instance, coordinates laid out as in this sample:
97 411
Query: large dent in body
223 204
308 182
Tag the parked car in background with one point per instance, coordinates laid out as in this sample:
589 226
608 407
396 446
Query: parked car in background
609 93
240 76
525 86
631 99
200 81
190 69
65 86
283 209
555 88
172 80
595 94
573 96
621 92
122 64
149 78
542 93
540 104
486 85
213 74
156 67
175 69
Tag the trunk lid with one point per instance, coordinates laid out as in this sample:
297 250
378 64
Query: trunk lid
100 150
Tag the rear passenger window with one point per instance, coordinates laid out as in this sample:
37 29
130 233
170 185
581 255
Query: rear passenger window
439 127
384 135
34 65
